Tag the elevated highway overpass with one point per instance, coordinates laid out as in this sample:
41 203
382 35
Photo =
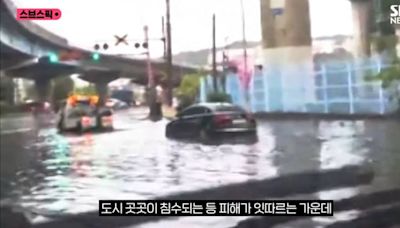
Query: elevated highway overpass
24 45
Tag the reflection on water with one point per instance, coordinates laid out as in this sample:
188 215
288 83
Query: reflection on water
70 173
343 142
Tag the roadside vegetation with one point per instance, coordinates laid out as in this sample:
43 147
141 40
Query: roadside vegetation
188 90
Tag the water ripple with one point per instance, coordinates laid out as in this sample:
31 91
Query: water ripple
71 172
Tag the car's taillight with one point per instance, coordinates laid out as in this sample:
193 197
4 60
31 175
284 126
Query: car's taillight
86 120
222 120
107 118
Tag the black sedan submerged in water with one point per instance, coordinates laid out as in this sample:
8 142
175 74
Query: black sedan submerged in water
209 121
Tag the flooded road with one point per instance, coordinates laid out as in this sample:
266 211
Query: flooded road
54 174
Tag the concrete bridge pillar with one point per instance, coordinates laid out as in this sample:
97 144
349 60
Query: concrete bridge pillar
287 53
43 88
100 79
102 91
362 12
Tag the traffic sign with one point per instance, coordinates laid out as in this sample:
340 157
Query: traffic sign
121 39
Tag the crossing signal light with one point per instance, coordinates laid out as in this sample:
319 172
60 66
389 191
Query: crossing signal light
96 56
97 46
144 45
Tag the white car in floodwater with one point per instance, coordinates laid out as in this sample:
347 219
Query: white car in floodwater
82 115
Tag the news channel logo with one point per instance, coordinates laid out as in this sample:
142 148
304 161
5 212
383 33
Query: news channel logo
38 14
395 14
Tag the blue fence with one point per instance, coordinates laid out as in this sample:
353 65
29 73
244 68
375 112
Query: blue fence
334 87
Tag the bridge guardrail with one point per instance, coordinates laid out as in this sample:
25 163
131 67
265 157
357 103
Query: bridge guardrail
35 29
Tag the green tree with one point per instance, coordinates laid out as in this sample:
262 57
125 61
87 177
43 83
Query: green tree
384 40
62 87
383 32
218 97
188 89
390 76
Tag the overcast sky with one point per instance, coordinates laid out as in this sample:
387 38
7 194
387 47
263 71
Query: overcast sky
85 22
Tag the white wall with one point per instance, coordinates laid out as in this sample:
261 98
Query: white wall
326 45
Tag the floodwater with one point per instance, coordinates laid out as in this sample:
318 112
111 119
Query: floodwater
52 174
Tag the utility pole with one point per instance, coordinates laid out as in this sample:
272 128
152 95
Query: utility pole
244 37
150 82
169 56
246 92
163 38
155 108
225 61
214 56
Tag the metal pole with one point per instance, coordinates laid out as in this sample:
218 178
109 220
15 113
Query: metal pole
325 89
244 51
244 36
350 88
163 37
152 97
225 70
169 56
150 82
214 60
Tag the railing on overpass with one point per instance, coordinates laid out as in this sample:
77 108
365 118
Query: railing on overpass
31 39
11 8
336 87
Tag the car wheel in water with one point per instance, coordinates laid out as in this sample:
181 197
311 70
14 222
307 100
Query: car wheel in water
60 127
204 137
168 133
79 128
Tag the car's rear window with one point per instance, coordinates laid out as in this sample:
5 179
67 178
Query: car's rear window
82 110
83 103
229 109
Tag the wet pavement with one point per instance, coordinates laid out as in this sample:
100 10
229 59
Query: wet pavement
53 174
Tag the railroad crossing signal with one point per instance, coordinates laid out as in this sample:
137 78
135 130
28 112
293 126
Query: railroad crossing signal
121 39
137 45
144 45
97 46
